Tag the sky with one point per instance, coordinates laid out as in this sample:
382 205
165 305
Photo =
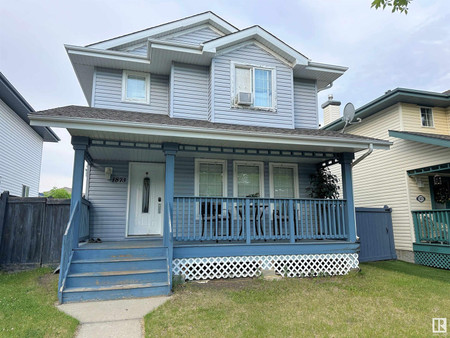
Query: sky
383 50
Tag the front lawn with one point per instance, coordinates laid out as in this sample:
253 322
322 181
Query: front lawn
27 306
385 299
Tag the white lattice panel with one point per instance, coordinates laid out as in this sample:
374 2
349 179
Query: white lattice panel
251 266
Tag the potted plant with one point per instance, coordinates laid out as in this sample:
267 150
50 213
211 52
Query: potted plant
323 185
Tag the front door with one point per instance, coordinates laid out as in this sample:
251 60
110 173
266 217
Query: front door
146 199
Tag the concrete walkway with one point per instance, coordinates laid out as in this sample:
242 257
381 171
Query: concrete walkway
112 318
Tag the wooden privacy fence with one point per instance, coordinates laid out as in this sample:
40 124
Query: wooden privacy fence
32 228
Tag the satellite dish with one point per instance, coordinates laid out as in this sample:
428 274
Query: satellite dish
349 115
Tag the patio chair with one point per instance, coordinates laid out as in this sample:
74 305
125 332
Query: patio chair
279 219
210 212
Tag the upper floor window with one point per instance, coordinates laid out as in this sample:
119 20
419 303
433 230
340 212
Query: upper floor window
253 86
426 115
136 87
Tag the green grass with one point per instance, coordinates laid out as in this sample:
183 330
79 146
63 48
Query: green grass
27 306
385 299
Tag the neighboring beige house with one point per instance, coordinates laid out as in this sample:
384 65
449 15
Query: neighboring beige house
413 178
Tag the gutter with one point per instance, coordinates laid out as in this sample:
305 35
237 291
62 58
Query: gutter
363 156
203 132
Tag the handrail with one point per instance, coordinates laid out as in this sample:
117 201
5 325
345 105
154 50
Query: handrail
432 226
169 211
67 249
249 219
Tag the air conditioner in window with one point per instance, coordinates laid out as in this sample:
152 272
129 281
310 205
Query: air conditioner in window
244 98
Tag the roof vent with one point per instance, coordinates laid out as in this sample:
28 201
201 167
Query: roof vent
330 97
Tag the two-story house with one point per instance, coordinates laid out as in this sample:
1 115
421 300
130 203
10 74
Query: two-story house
200 140
20 144
413 178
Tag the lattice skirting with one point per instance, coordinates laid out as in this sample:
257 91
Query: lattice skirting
252 266
436 260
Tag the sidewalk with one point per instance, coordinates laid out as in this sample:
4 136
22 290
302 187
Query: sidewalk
113 318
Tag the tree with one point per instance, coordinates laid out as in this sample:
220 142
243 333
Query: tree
323 184
397 5
59 193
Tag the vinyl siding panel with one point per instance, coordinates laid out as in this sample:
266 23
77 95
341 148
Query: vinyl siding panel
253 54
190 92
195 37
138 48
108 201
412 120
305 104
20 153
108 93
382 179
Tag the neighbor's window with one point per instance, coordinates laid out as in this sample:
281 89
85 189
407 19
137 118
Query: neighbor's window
426 115
248 179
25 191
283 180
210 178
136 87
253 86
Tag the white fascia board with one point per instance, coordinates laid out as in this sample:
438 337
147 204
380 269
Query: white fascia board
202 133
197 19
323 67
175 46
253 32
106 54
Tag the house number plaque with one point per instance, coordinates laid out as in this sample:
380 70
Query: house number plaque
420 198
119 179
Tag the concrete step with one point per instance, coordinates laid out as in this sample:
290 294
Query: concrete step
118 264
79 294
109 278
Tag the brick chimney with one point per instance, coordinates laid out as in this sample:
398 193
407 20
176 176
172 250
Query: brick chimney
331 110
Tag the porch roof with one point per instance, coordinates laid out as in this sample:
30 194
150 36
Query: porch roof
435 139
79 119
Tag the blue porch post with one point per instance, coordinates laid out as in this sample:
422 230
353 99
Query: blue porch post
347 187
80 145
170 150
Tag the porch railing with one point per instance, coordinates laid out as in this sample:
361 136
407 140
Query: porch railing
252 219
432 226
67 248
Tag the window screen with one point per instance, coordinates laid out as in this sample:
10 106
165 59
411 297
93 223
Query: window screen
248 181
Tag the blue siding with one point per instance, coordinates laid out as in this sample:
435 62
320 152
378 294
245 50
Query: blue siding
190 91
108 93
108 201
282 118
305 104
195 37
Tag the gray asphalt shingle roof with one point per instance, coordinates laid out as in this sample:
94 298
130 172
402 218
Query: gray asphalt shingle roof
81 112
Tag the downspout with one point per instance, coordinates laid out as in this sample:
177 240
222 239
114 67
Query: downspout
363 156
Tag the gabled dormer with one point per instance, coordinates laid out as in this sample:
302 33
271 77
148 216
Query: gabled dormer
202 67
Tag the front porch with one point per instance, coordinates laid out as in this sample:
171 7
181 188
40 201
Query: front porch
202 209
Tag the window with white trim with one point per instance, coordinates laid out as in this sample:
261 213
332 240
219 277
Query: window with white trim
283 180
248 179
256 84
25 190
136 87
210 178
426 115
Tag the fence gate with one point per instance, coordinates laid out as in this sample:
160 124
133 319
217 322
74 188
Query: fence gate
374 226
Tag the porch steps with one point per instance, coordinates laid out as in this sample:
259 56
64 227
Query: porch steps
103 274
